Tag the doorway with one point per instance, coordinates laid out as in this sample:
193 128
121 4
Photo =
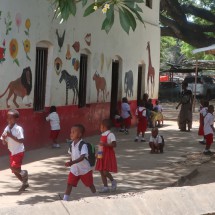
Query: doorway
114 88
140 83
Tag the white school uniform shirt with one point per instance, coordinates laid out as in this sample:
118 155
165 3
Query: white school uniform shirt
156 140
110 138
140 109
54 120
159 108
82 167
204 111
208 121
14 146
125 107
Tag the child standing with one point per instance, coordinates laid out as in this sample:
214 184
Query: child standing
126 114
80 167
156 142
106 159
202 113
209 129
142 121
158 107
13 136
53 117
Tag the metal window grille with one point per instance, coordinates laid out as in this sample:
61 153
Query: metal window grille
40 79
82 81
149 3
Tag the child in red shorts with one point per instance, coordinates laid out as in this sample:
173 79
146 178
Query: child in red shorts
80 167
142 121
54 119
209 129
13 136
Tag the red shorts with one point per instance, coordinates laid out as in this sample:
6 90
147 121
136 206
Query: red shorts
209 139
127 122
54 134
16 160
87 179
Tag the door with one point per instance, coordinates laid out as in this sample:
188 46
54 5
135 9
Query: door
40 78
139 84
114 88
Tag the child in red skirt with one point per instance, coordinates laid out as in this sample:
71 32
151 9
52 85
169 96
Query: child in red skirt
106 159
142 121
202 113
53 117
13 136
126 114
209 129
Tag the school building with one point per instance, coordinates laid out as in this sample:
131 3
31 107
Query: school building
75 66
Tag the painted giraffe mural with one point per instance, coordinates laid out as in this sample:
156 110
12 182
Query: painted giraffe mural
151 72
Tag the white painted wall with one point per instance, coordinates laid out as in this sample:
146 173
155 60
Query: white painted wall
131 48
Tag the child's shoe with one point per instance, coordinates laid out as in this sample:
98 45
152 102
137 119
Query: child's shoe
208 152
143 140
23 187
136 139
104 190
126 132
114 185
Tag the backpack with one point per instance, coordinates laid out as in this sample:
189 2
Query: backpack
91 152
163 141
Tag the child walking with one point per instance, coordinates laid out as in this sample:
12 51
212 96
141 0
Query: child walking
53 117
126 114
142 121
13 136
106 159
209 129
156 142
80 166
202 114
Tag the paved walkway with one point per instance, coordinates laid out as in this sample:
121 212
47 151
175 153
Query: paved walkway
139 171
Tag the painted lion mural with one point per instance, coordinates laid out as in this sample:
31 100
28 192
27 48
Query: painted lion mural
20 87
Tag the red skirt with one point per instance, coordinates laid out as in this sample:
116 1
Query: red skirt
108 161
142 125
201 126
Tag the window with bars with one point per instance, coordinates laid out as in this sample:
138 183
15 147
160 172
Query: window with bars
149 3
82 81
40 78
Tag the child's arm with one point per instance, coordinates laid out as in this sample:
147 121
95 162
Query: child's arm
112 144
71 162
213 128
9 134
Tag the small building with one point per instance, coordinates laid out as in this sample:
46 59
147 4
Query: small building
75 66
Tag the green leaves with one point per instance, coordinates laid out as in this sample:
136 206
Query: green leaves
129 11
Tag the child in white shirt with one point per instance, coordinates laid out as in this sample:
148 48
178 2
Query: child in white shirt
13 136
209 129
80 167
156 142
54 120
126 114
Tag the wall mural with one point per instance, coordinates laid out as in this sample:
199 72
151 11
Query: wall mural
76 46
68 53
2 52
100 83
60 39
71 83
14 48
151 72
27 26
87 39
128 83
18 20
8 23
27 48
20 87
76 64
58 65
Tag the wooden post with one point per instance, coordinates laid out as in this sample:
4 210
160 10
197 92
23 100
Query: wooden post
196 74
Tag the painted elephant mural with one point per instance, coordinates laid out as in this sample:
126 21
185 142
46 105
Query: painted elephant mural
128 83
21 87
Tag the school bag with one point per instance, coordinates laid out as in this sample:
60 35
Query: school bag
91 152
163 141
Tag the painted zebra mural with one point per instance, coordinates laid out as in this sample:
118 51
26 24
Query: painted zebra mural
71 83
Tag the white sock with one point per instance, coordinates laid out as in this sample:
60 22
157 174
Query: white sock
66 198
137 137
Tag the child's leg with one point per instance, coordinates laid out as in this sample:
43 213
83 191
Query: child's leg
67 192
92 188
143 135
104 178
137 137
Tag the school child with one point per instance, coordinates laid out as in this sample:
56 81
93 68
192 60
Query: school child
80 166
106 159
54 120
156 142
118 121
209 129
13 136
142 121
158 107
126 114
202 113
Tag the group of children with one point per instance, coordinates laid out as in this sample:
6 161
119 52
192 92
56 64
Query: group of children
206 125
